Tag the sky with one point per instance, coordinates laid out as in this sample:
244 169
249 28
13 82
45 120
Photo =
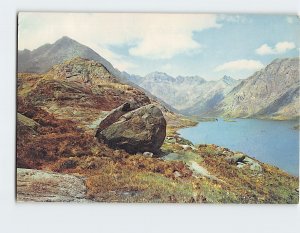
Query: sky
207 45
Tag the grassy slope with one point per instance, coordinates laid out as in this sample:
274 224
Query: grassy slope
63 143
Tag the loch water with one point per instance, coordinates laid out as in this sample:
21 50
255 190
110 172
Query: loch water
272 142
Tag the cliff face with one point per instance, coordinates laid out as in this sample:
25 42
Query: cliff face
270 93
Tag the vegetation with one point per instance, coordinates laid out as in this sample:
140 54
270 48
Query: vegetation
55 132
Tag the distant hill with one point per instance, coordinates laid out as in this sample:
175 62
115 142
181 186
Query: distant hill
43 58
191 95
272 92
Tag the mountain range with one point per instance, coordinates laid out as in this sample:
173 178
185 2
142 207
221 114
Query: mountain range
272 92
191 95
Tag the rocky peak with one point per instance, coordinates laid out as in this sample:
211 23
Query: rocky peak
190 79
159 77
228 80
81 70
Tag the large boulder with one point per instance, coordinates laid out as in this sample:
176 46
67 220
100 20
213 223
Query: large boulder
139 130
115 115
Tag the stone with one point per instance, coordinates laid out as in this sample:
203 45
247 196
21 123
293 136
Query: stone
148 154
26 125
140 130
248 160
240 165
68 164
237 157
41 186
25 121
170 140
177 174
256 167
172 157
186 147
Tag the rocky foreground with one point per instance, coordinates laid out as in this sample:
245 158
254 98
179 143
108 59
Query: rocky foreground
84 136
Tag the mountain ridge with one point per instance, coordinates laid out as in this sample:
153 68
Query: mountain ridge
185 92
272 92
190 95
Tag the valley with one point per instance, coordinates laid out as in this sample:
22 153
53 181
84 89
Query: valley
81 123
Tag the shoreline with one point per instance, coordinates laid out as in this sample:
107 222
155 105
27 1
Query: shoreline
213 144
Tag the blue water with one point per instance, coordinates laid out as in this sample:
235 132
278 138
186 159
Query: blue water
273 142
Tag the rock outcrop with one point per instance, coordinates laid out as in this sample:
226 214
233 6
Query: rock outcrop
139 130
42 186
25 124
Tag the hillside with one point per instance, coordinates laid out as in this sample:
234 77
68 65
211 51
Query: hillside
272 92
60 159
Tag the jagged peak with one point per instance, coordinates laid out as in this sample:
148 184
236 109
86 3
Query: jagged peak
158 73
65 39
227 78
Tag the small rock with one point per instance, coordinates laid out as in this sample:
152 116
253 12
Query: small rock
248 160
240 165
237 157
148 154
256 167
172 157
177 174
185 147
68 164
170 140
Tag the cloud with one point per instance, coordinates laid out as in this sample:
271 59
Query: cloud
165 46
280 47
240 65
151 36
118 61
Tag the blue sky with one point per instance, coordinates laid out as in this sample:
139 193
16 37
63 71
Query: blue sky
207 45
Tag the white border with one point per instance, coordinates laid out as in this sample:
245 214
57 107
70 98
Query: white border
127 218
